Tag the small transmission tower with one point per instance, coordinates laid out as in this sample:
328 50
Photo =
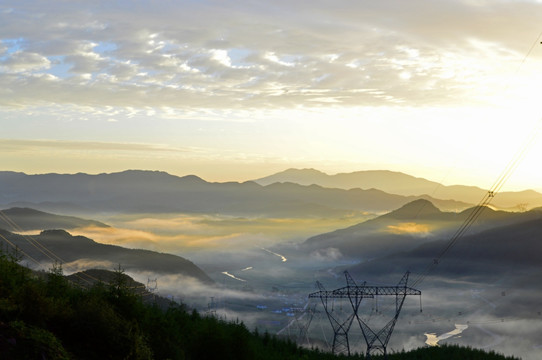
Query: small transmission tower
152 285
211 307
377 341
303 319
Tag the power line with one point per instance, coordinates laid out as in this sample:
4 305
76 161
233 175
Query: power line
486 200
44 250
495 188
16 248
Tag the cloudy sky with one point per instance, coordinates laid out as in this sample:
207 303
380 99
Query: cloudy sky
233 90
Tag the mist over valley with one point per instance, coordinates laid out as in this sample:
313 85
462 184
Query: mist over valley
255 180
260 267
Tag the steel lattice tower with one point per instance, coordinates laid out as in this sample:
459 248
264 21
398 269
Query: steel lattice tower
377 341
341 344
301 322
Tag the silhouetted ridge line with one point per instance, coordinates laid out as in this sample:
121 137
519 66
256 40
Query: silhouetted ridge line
484 203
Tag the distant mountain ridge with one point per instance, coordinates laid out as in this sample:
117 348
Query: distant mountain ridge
385 180
402 184
52 245
27 219
138 191
403 229
490 253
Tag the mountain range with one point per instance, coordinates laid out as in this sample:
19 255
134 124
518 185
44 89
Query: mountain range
159 192
505 253
403 184
411 225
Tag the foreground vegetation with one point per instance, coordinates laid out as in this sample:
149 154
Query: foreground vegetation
47 317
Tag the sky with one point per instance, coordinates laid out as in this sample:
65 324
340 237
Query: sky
236 90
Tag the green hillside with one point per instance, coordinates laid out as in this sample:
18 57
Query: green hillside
45 316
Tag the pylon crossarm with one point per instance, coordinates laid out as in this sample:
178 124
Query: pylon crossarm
366 292
342 293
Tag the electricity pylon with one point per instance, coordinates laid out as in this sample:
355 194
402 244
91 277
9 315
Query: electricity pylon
152 285
302 320
377 341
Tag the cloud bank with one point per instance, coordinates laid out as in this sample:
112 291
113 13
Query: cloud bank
257 55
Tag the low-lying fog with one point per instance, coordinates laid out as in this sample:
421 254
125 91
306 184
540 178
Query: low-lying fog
264 280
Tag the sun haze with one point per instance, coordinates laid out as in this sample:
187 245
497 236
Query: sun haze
445 90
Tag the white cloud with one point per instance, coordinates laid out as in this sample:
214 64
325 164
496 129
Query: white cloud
326 255
52 145
221 56
444 50
22 61
268 63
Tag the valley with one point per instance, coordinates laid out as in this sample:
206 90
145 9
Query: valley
260 269
262 180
